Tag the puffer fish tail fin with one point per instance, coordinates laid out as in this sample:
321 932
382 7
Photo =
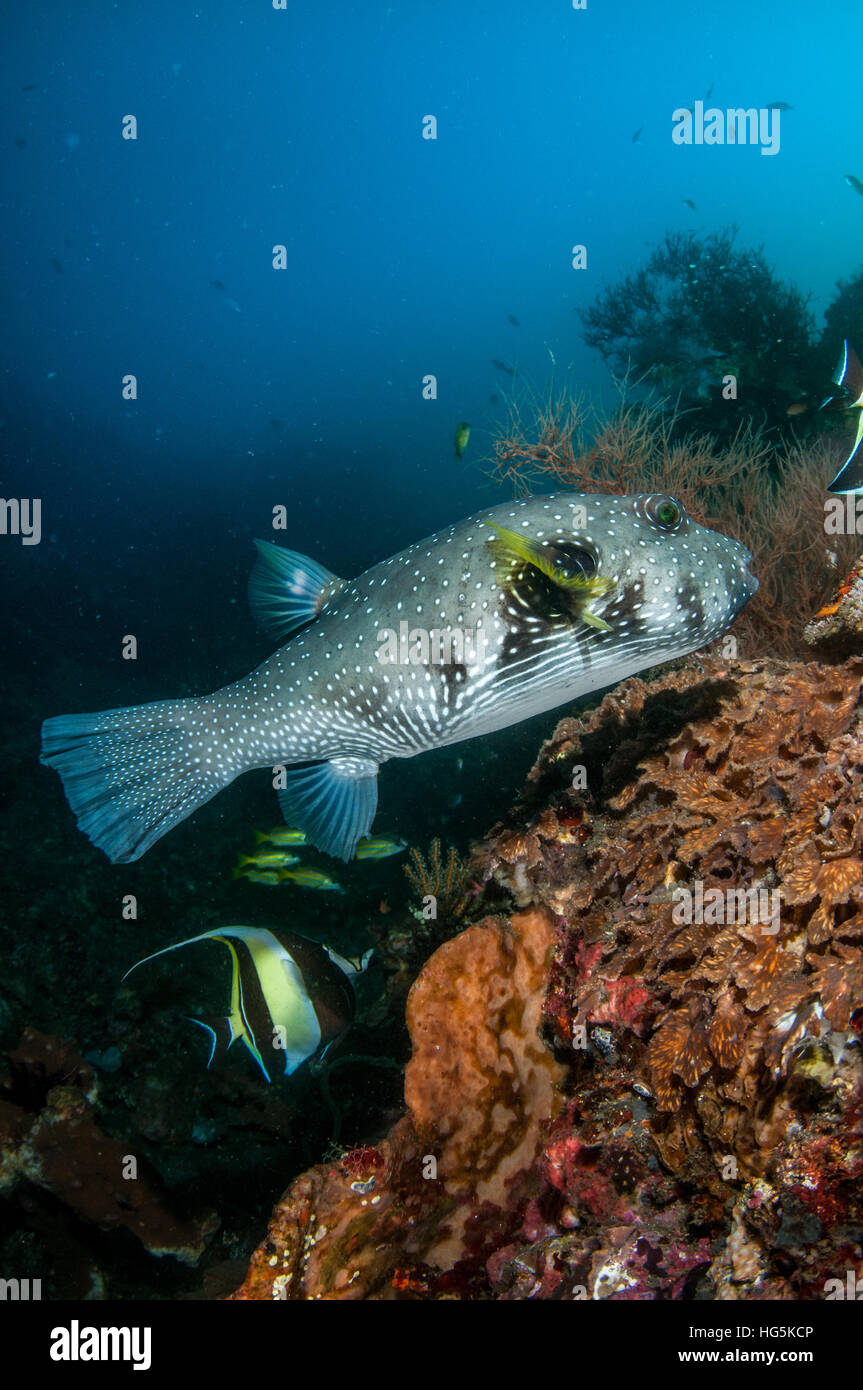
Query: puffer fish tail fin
334 802
130 775
287 590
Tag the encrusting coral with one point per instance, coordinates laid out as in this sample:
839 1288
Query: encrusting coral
699 1129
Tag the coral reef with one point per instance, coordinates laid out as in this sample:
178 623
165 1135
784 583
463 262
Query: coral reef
446 881
442 895
698 310
698 1132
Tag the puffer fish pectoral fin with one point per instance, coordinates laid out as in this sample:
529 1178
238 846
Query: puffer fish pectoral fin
593 621
287 590
334 802
580 588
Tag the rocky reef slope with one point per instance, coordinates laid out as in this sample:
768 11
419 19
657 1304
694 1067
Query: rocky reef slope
640 1074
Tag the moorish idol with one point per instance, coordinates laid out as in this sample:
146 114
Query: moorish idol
849 378
290 997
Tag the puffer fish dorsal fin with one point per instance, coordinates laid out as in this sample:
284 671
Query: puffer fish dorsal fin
579 587
335 803
287 590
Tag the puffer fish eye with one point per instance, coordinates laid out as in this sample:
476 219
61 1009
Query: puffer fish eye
663 511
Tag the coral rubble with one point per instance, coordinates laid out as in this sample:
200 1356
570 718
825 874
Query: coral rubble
668 1103
50 1142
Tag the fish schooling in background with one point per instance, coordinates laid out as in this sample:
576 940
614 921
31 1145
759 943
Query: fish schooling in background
291 998
504 616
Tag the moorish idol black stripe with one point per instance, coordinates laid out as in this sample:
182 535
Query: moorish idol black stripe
849 378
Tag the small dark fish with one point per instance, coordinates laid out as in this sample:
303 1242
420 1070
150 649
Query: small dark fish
635 139
20 142
709 93
276 425
265 859
268 877
493 399
689 203
779 106
849 378
30 87
379 847
503 366
281 835
511 318
312 878
56 265
854 183
216 285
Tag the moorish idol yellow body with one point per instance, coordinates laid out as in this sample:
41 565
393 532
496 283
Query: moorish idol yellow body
290 997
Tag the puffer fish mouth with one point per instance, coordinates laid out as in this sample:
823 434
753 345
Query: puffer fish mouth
750 579
749 584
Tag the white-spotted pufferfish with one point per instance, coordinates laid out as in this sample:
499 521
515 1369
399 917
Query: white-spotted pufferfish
495 619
